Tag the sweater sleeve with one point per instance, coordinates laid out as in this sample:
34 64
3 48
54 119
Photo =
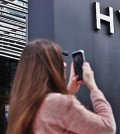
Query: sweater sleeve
79 120
100 122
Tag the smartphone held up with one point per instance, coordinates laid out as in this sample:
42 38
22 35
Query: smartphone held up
78 60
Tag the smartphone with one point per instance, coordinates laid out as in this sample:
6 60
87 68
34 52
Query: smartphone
78 60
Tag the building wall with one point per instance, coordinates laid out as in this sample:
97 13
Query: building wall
40 19
72 25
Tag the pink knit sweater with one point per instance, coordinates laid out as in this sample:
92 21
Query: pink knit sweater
55 117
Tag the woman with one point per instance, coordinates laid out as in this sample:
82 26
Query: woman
41 103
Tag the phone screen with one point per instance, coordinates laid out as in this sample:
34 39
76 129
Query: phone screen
78 62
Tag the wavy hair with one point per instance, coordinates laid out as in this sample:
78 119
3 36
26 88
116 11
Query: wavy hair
39 72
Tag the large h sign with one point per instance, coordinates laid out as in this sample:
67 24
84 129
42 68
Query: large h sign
106 18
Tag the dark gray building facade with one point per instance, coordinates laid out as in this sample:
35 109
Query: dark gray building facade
93 26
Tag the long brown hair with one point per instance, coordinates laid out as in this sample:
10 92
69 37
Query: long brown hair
40 71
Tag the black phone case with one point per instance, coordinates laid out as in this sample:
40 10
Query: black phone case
78 61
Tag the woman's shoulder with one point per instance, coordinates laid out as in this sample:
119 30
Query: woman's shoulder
54 102
58 99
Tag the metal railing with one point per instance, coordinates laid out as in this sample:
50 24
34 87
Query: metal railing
11 32
13 28
13 14
25 1
13 8
12 37
13 18
7 1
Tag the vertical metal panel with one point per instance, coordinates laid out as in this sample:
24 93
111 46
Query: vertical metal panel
75 29
71 23
41 19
